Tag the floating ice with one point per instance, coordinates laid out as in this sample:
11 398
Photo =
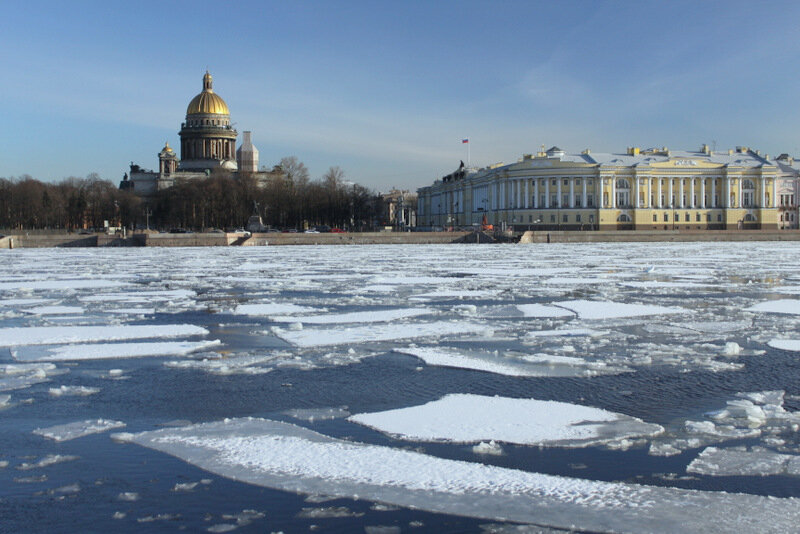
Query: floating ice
60 284
786 306
741 462
78 429
290 458
21 376
74 391
22 302
54 310
366 334
565 332
53 335
491 448
541 310
229 365
272 308
374 316
731 349
466 418
785 344
595 309
446 357
47 461
104 351
318 414
128 496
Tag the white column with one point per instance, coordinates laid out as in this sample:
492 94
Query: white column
727 202
583 197
650 194
547 192
774 192
714 192
659 203
535 193
613 192
681 193
527 195
558 193
703 193
763 192
739 203
572 192
636 191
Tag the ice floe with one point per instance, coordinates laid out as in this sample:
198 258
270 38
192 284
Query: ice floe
52 335
785 306
318 414
541 310
466 418
785 344
78 429
47 461
290 458
372 333
757 461
60 284
73 391
272 308
750 415
23 375
236 364
565 332
105 351
373 316
54 310
595 309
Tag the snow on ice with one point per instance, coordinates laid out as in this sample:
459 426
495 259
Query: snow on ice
372 333
104 351
593 309
52 335
465 418
78 429
290 458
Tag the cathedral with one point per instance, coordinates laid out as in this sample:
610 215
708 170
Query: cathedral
208 143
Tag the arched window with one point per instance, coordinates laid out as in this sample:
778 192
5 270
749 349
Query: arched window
749 218
624 218
623 184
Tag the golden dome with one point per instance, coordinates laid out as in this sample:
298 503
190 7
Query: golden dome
207 101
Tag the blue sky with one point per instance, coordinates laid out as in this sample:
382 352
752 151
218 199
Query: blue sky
387 90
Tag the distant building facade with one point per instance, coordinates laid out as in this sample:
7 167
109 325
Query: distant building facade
208 145
653 189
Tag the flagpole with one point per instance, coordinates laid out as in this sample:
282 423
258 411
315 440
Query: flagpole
469 163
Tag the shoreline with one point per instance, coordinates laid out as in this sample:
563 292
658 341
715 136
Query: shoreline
44 240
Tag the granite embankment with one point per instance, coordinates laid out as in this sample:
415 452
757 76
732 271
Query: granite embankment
234 239
630 236
383 238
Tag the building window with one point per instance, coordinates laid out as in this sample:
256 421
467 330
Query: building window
666 217
554 201
565 200
553 181
578 217
564 218
530 218
719 217
686 217
697 217
552 218
566 181
655 218
589 201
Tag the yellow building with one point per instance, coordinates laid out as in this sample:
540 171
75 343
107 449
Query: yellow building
653 189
